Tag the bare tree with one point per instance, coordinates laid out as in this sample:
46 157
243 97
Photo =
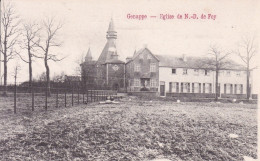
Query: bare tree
217 61
46 42
246 51
10 22
30 34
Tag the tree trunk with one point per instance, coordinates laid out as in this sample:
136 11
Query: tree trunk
48 88
30 71
247 84
5 67
216 86
5 75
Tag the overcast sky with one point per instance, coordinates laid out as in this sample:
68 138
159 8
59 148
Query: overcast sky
86 23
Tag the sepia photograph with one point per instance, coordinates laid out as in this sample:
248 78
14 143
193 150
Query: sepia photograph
139 80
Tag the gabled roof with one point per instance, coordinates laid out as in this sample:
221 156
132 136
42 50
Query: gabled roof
194 62
136 54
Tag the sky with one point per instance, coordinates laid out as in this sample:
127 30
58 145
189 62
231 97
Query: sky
85 23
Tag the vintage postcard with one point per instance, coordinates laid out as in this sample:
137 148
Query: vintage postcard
171 80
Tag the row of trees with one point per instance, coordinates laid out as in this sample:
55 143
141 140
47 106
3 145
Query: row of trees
28 41
218 59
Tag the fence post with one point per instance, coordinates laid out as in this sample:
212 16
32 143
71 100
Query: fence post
15 90
91 98
78 96
65 98
57 98
83 95
87 95
32 99
72 97
97 95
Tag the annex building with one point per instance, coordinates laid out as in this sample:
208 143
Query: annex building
160 74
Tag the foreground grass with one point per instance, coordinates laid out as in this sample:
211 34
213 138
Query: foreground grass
132 130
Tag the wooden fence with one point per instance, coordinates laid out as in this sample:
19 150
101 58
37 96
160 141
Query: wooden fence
59 98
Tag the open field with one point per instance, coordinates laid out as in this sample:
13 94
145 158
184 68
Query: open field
132 130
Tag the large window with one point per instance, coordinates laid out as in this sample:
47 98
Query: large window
238 88
137 68
174 87
196 88
152 67
185 87
137 82
228 88
153 83
207 88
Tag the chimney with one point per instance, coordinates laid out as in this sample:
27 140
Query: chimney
145 45
184 58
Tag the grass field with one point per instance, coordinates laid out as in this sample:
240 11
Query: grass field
132 130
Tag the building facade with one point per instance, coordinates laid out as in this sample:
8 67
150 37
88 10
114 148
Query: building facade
187 75
167 75
142 71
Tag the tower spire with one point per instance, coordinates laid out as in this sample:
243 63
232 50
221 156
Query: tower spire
88 56
111 33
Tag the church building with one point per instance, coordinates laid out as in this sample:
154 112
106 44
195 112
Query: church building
108 71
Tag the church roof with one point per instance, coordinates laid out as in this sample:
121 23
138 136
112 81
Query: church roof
111 26
89 55
109 52
106 53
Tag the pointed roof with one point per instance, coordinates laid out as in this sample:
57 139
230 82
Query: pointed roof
136 54
111 26
111 32
89 55
109 53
